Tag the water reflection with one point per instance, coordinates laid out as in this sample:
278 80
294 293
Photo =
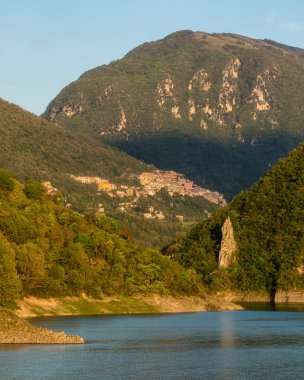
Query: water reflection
13 347
227 343
227 337
35 347
267 306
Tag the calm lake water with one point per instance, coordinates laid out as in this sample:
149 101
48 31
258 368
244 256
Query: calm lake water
217 345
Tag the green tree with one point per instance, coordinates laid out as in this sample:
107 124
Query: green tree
30 265
34 190
6 180
10 285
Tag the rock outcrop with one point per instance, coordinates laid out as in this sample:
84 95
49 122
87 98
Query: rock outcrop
227 98
68 110
227 101
122 120
260 96
198 86
14 329
228 245
166 98
200 81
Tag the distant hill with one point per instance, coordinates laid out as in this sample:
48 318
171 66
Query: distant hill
256 243
33 148
79 165
219 108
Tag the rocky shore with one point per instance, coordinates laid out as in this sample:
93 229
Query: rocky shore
281 297
168 304
141 304
14 329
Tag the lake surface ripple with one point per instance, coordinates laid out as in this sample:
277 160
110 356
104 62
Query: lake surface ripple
213 345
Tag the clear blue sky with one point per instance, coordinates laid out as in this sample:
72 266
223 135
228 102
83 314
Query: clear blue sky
46 44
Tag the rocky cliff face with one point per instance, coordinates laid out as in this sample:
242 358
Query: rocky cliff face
193 101
228 245
199 95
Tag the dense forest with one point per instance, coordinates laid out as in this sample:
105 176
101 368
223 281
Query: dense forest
47 250
268 227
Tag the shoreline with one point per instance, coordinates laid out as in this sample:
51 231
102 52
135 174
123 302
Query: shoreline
31 307
281 297
15 329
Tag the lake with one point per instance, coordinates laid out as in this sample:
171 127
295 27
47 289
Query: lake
251 344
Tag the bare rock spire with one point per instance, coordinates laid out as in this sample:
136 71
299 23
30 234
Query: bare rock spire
228 245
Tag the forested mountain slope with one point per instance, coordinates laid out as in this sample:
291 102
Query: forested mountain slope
256 243
33 148
219 108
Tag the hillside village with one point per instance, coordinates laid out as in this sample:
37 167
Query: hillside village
176 183
150 184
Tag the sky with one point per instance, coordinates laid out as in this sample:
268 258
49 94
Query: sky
46 44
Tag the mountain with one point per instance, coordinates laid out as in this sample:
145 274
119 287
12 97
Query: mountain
33 148
96 177
255 243
48 250
219 108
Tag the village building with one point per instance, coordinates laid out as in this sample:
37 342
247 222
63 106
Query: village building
150 184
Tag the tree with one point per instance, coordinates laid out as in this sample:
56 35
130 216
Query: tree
33 190
10 285
31 265
6 181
